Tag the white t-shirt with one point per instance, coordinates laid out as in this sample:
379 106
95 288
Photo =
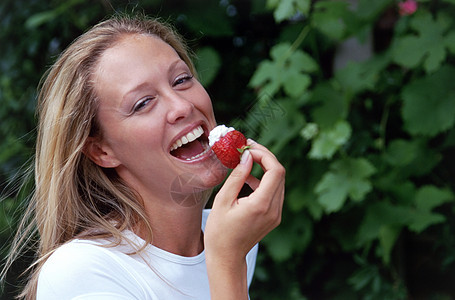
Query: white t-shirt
83 269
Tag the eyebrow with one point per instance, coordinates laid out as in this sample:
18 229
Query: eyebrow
147 83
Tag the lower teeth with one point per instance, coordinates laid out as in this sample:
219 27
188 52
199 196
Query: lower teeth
199 155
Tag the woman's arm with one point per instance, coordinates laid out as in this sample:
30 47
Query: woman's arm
235 225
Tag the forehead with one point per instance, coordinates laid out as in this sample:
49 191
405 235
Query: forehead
135 49
134 58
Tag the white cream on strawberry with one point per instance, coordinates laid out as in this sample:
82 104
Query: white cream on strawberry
217 133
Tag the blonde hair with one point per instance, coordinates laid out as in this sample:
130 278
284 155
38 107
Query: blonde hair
73 196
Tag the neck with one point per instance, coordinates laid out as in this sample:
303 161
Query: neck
175 229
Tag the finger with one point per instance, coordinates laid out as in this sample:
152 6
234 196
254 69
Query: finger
266 159
237 178
272 181
252 182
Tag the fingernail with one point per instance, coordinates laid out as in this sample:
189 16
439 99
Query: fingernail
251 141
245 156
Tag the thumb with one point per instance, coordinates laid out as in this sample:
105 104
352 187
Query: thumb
234 183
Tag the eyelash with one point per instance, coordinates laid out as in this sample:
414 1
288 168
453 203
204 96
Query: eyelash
182 80
140 105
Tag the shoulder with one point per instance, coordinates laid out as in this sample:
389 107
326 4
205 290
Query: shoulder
85 268
78 257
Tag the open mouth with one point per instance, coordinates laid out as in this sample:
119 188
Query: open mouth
191 146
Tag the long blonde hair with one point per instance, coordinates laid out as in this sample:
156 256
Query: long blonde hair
74 197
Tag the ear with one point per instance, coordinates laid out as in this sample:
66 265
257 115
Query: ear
99 153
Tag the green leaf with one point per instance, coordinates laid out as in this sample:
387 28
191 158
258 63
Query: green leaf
363 277
370 9
309 131
295 84
401 152
288 69
330 140
40 18
450 41
278 129
285 9
334 19
357 77
332 108
266 76
284 240
302 61
295 199
215 23
346 178
428 46
381 214
423 219
332 192
207 65
388 235
279 245
429 197
429 103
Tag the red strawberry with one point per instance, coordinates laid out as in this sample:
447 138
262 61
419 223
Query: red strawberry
228 145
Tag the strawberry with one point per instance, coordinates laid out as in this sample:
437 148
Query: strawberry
228 145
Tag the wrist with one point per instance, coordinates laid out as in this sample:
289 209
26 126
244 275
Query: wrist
227 278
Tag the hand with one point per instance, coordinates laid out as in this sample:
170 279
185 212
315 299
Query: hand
235 225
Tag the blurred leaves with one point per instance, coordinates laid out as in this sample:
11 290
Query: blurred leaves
40 18
208 64
368 147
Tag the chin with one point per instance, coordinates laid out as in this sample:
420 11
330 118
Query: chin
191 189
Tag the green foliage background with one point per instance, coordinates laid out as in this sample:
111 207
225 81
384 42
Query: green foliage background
368 145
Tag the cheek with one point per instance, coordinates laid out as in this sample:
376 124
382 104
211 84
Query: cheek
128 138
204 104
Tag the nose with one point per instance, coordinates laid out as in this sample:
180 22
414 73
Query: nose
178 108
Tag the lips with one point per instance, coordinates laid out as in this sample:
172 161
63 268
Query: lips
191 146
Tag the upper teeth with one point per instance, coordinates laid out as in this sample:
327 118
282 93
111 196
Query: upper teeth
188 138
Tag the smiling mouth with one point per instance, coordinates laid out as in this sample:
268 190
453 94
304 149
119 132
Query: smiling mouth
191 146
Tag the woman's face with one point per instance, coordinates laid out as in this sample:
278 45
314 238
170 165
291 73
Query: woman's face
149 107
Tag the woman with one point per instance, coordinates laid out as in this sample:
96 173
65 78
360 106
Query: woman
111 222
